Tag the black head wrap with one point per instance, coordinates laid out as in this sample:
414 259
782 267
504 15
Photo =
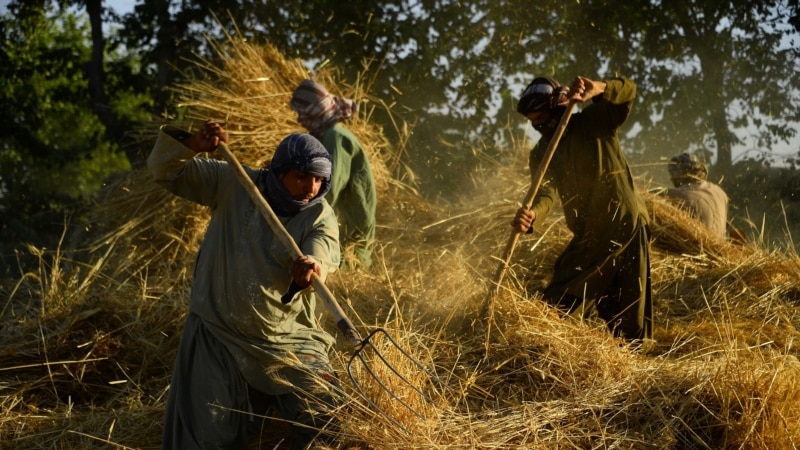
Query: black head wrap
544 94
538 95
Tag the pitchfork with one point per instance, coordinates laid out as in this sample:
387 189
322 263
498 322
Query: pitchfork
342 321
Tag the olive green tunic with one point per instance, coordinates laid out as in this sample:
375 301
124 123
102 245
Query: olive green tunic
352 193
238 335
605 267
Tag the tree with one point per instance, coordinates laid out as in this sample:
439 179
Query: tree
708 71
168 34
739 71
55 155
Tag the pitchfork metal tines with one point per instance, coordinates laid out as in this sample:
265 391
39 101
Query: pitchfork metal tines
392 382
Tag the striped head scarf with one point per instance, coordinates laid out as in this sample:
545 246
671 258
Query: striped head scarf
317 110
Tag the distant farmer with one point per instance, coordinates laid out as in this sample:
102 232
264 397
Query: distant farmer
352 193
704 200
243 351
605 269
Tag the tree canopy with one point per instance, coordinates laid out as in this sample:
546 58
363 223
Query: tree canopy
708 71
712 75
56 153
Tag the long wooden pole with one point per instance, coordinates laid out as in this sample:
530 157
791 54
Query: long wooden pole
536 182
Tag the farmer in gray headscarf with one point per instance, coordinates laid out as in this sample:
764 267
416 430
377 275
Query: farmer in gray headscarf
352 194
242 350
702 199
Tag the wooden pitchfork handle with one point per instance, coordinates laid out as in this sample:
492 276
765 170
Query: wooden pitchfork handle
528 202
342 322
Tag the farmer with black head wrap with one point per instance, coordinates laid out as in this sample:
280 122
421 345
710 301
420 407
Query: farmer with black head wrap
243 351
702 199
352 195
605 269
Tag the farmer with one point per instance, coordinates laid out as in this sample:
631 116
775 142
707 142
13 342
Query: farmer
242 350
605 269
352 193
704 200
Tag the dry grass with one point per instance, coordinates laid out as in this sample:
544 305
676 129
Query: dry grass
87 343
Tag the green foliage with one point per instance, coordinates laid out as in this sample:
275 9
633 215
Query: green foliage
765 202
708 71
56 153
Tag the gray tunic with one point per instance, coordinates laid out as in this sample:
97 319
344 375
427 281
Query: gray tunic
242 269
706 202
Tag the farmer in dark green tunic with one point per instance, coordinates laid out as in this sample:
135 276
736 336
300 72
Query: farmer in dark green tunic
353 195
242 350
605 269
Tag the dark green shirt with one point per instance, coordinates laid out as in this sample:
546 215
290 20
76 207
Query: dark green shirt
352 193
590 176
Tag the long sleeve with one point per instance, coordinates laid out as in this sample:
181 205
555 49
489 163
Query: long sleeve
175 167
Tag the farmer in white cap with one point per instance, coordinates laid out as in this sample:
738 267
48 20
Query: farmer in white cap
352 193
243 351
605 269
702 199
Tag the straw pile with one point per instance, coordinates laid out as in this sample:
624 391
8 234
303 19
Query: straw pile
87 353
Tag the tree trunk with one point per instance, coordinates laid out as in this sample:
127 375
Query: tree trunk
723 136
714 81
715 78
95 69
166 50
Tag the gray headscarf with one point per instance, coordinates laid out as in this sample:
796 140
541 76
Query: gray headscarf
305 153
687 168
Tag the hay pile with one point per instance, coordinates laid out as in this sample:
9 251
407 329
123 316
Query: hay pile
86 354
247 88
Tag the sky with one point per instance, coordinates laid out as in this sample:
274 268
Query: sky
120 6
